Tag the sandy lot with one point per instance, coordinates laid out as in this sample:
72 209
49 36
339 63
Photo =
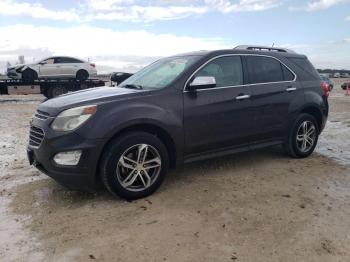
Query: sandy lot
256 206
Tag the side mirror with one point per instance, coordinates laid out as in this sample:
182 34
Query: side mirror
43 63
202 82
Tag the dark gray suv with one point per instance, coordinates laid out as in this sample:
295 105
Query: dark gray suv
177 110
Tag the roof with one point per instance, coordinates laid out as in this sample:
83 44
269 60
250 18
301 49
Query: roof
247 49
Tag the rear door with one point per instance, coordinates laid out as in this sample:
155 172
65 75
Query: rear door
219 117
274 89
69 66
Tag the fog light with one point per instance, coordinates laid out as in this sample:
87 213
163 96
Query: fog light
70 158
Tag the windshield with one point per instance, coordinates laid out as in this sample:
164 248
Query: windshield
161 73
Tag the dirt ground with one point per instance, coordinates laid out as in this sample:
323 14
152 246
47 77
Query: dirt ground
255 206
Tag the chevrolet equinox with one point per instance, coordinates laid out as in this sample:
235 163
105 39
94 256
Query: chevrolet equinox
177 110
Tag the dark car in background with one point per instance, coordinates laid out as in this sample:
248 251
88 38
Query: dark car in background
346 85
325 79
119 77
180 109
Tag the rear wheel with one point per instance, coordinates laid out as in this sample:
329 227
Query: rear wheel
82 75
303 137
29 75
134 165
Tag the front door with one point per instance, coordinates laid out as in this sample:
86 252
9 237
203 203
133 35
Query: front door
220 117
48 68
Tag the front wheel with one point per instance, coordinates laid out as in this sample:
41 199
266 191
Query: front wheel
134 165
29 75
303 137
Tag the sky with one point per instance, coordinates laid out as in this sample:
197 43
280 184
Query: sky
125 35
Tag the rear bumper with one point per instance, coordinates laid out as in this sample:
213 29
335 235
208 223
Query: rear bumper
325 112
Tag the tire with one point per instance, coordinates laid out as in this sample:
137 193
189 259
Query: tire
82 75
296 139
127 179
29 75
56 91
45 93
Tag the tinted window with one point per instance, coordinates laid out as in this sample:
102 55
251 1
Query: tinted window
264 69
287 74
308 71
226 70
59 60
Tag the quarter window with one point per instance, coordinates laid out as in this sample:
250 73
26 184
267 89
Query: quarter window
287 74
263 69
227 71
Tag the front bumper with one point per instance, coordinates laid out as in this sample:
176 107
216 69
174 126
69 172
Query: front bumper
80 177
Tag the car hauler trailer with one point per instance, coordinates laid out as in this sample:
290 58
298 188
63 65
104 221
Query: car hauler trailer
48 87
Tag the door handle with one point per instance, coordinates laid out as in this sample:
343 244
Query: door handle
242 97
291 89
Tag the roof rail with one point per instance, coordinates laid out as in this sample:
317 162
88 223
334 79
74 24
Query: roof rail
264 48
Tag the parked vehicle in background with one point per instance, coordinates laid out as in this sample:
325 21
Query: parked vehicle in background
344 75
325 79
336 75
345 85
53 67
177 110
48 87
119 77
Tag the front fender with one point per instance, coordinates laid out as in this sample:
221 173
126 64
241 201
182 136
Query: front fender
111 119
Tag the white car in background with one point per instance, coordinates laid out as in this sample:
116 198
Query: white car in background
53 67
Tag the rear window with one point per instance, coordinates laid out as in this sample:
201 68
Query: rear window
308 72
264 70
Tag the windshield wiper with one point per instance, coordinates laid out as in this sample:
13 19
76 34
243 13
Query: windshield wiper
131 86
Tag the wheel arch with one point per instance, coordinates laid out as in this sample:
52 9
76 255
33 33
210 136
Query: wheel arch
315 112
29 69
161 133
82 70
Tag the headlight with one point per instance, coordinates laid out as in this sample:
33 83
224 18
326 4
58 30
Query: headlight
73 118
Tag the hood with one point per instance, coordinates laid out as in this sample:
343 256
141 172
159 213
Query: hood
16 66
19 66
89 96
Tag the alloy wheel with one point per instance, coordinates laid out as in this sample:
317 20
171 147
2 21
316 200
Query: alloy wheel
306 136
138 167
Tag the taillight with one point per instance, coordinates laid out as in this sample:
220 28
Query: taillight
325 88
93 65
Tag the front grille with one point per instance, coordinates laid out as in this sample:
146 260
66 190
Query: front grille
36 136
41 115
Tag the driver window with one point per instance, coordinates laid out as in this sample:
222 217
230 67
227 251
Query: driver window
227 71
49 61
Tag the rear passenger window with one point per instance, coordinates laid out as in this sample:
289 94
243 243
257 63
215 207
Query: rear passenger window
227 71
263 69
64 60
